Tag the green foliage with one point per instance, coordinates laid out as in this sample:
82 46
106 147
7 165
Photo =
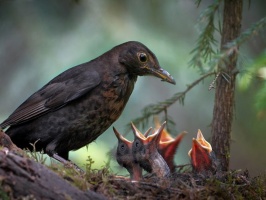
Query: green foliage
91 178
37 156
258 185
246 35
220 58
261 100
256 71
206 58
204 55
95 176
3 194
197 2
88 166
204 50
236 185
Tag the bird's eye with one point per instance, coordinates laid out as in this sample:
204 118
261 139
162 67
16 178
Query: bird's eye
137 144
122 147
143 57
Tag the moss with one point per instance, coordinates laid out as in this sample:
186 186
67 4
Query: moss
3 194
181 185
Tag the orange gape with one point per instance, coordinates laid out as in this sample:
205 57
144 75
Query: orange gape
200 154
145 152
154 153
168 145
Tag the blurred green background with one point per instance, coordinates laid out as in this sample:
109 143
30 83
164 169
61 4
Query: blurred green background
41 38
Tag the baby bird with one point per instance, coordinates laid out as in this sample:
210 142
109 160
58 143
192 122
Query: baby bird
145 152
125 158
202 157
168 145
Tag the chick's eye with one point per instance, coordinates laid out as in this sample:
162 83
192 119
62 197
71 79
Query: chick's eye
122 147
143 57
137 144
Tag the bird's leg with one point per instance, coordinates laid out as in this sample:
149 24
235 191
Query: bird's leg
61 156
67 162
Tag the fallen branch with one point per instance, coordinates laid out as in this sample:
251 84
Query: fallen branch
23 177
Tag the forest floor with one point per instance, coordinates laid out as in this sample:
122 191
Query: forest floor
24 176
182 184
24 173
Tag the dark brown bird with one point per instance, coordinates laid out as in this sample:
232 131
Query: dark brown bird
78 105
145 152
202 157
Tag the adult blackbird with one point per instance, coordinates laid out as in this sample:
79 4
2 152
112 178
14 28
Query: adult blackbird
78 105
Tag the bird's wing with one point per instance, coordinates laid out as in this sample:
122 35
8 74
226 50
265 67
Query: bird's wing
53 96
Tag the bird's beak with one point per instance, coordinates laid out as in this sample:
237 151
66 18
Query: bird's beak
163 74
170 145
200 143
137 133
121 138
206 145
200 157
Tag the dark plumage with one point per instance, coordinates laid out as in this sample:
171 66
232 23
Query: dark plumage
78 105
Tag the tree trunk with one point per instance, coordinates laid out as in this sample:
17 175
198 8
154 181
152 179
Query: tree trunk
225 88
22 178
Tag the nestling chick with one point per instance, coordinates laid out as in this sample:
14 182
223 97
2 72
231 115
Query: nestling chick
125 158
168 145
202 157
145 152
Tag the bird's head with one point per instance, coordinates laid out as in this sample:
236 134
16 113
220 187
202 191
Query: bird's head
123 153
139 60
140 143
168 145
201 154
145 149
124 157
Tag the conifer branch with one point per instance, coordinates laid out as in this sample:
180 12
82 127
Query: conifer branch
204 48
232 47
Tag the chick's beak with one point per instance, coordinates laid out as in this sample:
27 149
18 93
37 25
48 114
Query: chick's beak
200 157
163 74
